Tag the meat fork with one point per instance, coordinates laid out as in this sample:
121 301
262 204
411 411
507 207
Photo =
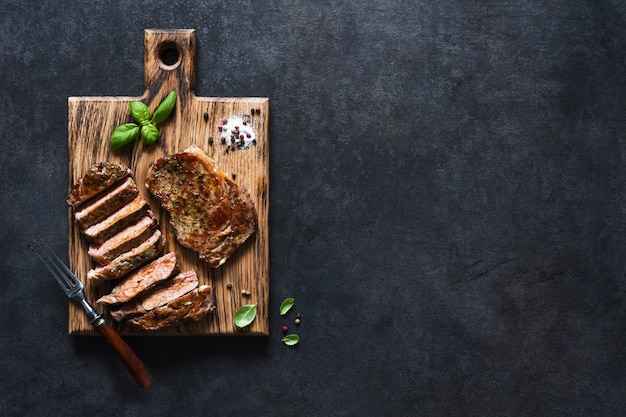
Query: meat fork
74 290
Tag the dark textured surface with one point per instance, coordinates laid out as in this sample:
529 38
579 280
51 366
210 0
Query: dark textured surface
447 207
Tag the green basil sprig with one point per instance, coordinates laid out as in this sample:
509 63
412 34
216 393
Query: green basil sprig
145 126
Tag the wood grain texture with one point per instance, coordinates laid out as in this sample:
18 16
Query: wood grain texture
91 120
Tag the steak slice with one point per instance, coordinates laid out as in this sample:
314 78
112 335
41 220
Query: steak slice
192 306
118 221
99 177
179 285
143 279
131 260
102 206
209 212
123 241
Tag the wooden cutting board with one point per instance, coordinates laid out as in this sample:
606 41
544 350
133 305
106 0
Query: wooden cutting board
169 64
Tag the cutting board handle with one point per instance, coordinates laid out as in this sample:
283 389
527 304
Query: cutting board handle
169 63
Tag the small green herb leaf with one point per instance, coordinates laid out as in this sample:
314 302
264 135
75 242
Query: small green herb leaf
291 339
124 135
165 108
245 315
149 134
286 305
139 111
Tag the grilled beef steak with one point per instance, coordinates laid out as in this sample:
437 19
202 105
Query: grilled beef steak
99 177
125 241
179 285
210 213
191 306
142 280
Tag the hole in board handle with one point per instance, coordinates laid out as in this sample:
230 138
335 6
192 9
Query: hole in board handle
169 55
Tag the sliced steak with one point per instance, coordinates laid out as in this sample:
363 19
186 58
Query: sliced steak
170 290
143 279
131 260
191 306
99 177
210 213
118 221
102 206
124 241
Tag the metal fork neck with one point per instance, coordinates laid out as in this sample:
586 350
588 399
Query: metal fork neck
91 313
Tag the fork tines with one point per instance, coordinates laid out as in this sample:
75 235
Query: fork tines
64 276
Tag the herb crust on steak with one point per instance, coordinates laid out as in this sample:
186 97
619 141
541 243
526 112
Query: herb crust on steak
209 212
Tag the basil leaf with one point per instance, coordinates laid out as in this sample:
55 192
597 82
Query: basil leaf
291 339
149 134
245 315
139 111
165 108
123 135
286 305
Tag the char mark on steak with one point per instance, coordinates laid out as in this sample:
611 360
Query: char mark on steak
142 280
209 212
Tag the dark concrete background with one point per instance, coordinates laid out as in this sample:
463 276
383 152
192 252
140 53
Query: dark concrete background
447 206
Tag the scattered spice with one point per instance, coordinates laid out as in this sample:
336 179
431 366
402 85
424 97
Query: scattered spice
210 140
297 322
285 329
229 285
245 292
206 117
234 175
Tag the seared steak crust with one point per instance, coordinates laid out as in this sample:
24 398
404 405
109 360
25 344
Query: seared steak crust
210 213
191 306
99 177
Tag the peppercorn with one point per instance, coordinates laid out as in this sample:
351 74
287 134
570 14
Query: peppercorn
285 329
210 140
258 110
297 321
252 111
206 116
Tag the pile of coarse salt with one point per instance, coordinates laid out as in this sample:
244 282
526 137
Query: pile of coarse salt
237 132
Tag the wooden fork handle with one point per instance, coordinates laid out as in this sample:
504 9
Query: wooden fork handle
136 367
